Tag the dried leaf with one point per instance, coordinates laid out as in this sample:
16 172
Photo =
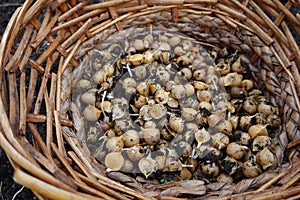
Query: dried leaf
292 173
192 184
80 70
152 194
178 190
218 186
78 122
117 176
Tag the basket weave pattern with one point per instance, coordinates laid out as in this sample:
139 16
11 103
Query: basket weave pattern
45 40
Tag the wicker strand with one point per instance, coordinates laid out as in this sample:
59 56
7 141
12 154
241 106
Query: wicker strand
45 40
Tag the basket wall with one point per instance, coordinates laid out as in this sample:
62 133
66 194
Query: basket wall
45 40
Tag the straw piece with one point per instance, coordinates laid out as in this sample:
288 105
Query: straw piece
59 137
46 20
26 55
81 165
31 89
282 64
294 144
28 164
76 20
104 5
39 141
21 48
292 43
4 46
71 54
48 164
227 21
254 27
164 2
62 159
31 12
131 9
71 12
92 191
102 187
114 15
175 15
171 198
290 182
42 87
43 33
22 126
201 1
53 46
199 7
292 82
249 12
52 96
195 12
79 33
271 25
49 123
58 91
281 54
13 102
46 189
288 14
231 11
111 23
38 118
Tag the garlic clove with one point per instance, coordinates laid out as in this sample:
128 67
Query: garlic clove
189 114
158 111
127 167
199 85
265 158
260 142
257 130
224 178
147 166
151 135
91 113
250 169
176 124
136 59
214 119
130 138
209 169
185 174
114 144
204 95
220 140
202 136
178 92
233 79
235 150
114 161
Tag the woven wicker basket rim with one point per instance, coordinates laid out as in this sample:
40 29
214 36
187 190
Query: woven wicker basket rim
268 31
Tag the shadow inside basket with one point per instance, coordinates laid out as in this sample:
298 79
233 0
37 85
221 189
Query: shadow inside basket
161 106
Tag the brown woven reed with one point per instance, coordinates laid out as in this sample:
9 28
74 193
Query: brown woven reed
44 38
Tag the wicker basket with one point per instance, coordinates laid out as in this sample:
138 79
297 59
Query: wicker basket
43 38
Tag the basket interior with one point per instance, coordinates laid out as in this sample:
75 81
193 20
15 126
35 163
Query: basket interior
45 41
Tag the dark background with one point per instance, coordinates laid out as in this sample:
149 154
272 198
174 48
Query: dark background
9 188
